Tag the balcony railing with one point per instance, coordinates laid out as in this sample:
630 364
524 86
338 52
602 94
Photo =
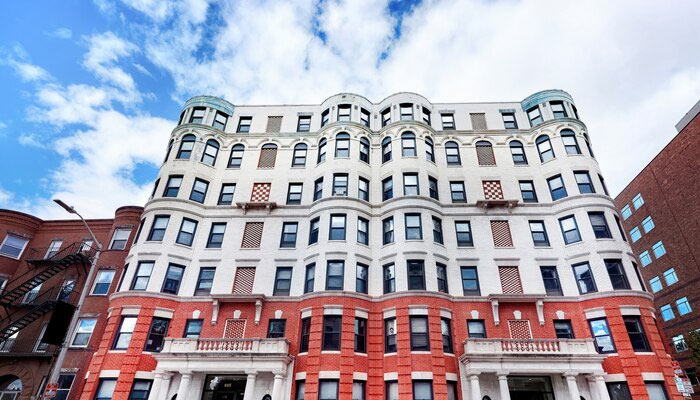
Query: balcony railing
26 348
229 346
515 347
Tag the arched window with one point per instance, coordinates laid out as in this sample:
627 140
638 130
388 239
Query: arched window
588 145
544 147
452 153
408 145
186 146
299 157
484 153
364 149
342 145
386 149
570 144
236 156
268 154
170 147
429 149
321 151
211 150
518 153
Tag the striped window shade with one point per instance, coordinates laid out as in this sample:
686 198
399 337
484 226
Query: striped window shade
492 190
519 329
274 124
235 329
484 153
243 282
478 121
268 154
501 234
260 192
252 235
510 280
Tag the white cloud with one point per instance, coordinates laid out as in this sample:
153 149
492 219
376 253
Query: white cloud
105 51
61 33
31 140
29 72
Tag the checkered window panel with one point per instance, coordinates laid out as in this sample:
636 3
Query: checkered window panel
510 280
274 124
252 235
260 193
243 282
501 234
267 157
484 153
478 121
492 190
235 329
519 329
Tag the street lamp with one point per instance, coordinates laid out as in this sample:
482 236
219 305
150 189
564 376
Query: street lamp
56 370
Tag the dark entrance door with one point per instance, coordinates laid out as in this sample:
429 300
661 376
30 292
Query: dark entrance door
224 387
530 388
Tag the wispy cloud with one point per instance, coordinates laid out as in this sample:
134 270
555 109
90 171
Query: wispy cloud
61 33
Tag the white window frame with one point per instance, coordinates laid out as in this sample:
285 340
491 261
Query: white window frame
94 284
24 246
54 247
77 331
114 237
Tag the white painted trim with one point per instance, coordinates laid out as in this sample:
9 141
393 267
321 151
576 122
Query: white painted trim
391 376
329 375
592 313
359 376
630 310
421 375
109 373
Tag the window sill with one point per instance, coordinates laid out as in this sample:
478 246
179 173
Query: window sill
421 352
390 354
330 351
605 239
644 353
544 247
361 354
573 244
450 354
287 248
205 164
117 351
183 245
98 295
503 247
388 244
413 240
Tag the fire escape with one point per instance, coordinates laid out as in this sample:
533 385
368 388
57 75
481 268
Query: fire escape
24 304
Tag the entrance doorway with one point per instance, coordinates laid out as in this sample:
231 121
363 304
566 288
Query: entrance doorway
224 387
530 388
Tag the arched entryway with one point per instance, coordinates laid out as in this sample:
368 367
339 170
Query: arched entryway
10 387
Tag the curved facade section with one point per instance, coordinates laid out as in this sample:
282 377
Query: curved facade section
382 250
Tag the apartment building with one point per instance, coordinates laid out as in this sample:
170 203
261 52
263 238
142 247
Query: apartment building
662 224
395 250
43 269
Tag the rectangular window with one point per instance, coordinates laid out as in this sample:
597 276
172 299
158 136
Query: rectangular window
667 312
433 188
463 230
205 281
126 329
276 327
344 112
358 390
310 278
199 190
362 231
340 184
294 193
658 249
626 211
426 115
83 332
679 343
197 115
304 123
470 281
334 274
683 306
226 195
583 180
448 121
441 271
193 328
414 230
328 389
361 279
325 118
331 332
619 391
65 381
305 333
556 187
360 335
638 201
283 281
563 329
420 340
476 328
244 124
569 229
648 224
173 186
389 278
446 328
105 389
363 189
314 227
458 194
527 190
422 390
406 110
289 234
142 276
337 231
160 223
656 391
601 334
119 239
617 274
13 246
387 189
558 109
156 334
364 117
645 258
188 228
216 235
550 277
173 278
539 234
392 390
388 230
534 116
635 330
600 225
410 185
102 282
655 284
318 189
416 275
509 121
437 230
670 276
584 278
390 335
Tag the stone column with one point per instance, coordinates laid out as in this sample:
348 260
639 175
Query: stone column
592 387
277 386
573 386
250 385
164 386
155 388
503 386
602 388
184 385
474 386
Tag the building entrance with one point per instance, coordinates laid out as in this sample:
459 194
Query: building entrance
224 387
530 388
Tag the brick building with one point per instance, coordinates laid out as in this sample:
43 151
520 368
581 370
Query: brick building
662 221
42 262
395 250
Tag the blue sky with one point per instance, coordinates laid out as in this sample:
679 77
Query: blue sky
91 90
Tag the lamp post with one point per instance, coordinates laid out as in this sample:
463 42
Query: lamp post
56 370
